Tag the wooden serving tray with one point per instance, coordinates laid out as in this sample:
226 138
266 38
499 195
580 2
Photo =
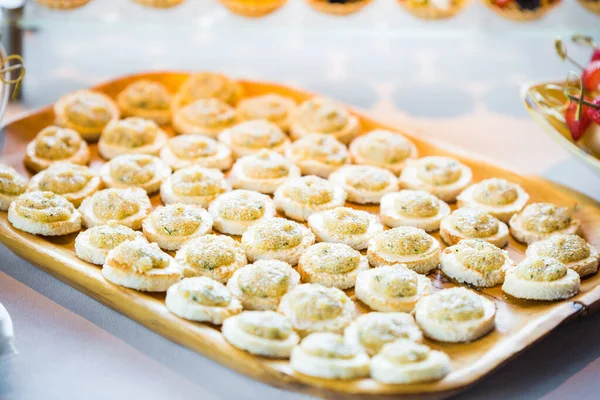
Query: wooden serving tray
518 323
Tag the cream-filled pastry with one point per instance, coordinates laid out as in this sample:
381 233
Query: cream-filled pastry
138 170
139 265
54 144
497 197
44 213
187 150
329 356
455 315
316 308
391 288
570 249
126 206
131 135
539 221
318 154
476 262
147 99
384 149
444 177
331 264
413 208
86 112
194 185
364 184
208 85
320 115
345 225
373 330
207 117
73 182
252 136
263 172
172 225
12 185
299 198
260 286
202 299
404 362
277 239
263 333
273 107
234 212
543 278
471 223
93 245
216 257
405 245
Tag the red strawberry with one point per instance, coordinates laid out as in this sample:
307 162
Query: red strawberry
591 76
577 128
594 113
503 3
596 54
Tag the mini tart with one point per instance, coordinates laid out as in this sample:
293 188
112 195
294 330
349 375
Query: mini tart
216 257
338 7
413 208
187 150
539 221
318 154
172 225
300 197
139 265
476 262
194 185
137 170
443 177
373 330
404 362
206 117
252 136
544 278
54 144
391 288
433 9
455 315
327 355
159 3
470 223
126 206
497 197
208 85
320 115
345 225
260 286
263 172
263 333
277 239
146 99
86 112
131 135
73 182
272 107
202 299
12 184
571 250
316 308
384 149
93 245
234 212
515 12
364 184
331 264
63 4
44 213
405 245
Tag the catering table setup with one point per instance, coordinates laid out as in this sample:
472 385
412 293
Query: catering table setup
301 199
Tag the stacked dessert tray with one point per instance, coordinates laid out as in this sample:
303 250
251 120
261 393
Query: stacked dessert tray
518 323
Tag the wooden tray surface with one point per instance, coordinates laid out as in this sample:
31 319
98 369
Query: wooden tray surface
518 323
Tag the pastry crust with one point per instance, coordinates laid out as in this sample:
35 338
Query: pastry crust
469 223
146 99
160 3
135 170
318 154
86 112
413 208
331 264
430 12
187 150
127 206
54 144
93 245
338 8
272 107
384 149
251 137
208 85
321 115
206 117
263 172
364 184
12 185
131 136
497 197
539 221
572 250
234 212
345 225
194 185
63 4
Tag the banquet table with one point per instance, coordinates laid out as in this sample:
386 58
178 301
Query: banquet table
458 87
